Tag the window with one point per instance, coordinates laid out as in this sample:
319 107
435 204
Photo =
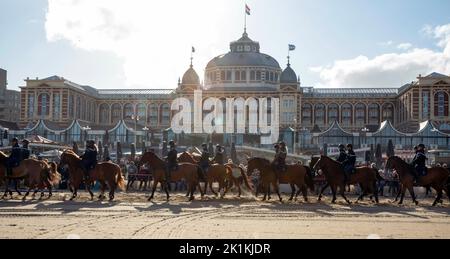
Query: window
43 105
222 75
243 75
104 114
441 104
153 114
276 77
252 75
228 75
116 113
56 106
237 76
247 48
426 104
30 105
239 48
258 75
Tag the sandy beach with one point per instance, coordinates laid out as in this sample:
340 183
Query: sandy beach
131 216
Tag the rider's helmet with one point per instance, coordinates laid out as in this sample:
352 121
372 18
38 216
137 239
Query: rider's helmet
25 142
350 146
204 145
341 147
14 141
421 146
282 143
172 143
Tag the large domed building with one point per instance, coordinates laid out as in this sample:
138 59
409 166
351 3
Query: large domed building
65 111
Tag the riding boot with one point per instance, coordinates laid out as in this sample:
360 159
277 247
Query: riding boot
9 171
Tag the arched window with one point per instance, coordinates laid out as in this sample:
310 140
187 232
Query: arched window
388 112
320 114
307 114
347 115
165 114
374 114
333 113
360 114
153 112
56 106
128 111
78 115
44 105
441 104
71 106
104 112
116 111
141 111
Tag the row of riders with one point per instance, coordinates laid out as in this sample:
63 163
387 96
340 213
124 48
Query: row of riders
194 170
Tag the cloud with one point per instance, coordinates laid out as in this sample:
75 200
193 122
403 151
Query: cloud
149 36
391 69
404 46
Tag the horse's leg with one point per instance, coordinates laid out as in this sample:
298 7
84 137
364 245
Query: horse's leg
88 189
342 189
305 192
323 190
292 192
212 190
6 188
334 191
403 191
277 190
16 186
413 195
439 195
28 193
155 184
266 191
399 192
192 187
239 188
167 192
50 191
102 190
112 186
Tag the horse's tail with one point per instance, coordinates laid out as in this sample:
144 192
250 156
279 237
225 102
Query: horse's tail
309 179
120 180
246 180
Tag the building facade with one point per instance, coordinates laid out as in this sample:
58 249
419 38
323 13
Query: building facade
9 100
57 105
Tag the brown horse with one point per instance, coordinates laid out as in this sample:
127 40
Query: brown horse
237 177
267 174
334 173
16 176
218 173
436 178
105 172
187 171
46 178
186 157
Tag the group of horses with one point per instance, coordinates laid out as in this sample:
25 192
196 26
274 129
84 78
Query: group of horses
42 175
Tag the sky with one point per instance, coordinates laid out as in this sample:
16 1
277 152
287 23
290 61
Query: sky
111 44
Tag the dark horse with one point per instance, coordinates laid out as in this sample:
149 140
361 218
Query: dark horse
366 177
268 175
189 172
436 177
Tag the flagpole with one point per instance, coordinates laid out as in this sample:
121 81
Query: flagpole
245 19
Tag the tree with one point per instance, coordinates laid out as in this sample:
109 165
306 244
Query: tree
379 155
390 149
119 152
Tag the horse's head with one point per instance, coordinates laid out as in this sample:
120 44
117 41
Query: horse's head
317 163
149 158
257 164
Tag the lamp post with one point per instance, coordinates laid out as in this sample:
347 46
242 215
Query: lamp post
365 130
135 118
85 129
146 129
295 137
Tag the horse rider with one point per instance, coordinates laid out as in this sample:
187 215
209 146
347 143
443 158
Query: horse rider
343 158
25 149
219 157
172 156
280 156
15 158
204 160
89 158
351 160
164 149
419 162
